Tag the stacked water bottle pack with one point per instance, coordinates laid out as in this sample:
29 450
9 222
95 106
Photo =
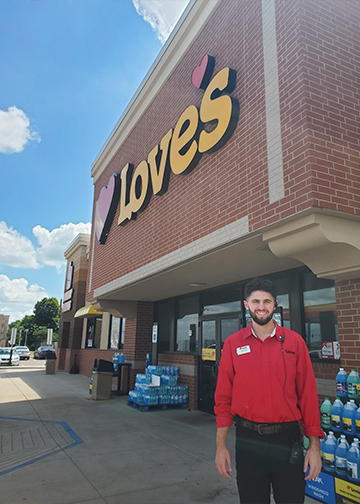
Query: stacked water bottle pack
159 387
342 422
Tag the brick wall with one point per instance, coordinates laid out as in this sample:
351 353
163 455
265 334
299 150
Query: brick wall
318 54
348 315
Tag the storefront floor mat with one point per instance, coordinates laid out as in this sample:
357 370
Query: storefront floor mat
155 407
25 441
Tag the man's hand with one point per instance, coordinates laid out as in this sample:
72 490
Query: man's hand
223 462
313 458
222 458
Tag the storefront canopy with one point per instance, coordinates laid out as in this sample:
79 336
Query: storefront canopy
87 312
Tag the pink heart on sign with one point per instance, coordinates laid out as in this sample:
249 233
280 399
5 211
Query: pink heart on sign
106 206
201 74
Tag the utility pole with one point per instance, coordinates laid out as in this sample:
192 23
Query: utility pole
26 333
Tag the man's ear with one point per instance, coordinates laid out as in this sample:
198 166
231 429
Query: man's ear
246 305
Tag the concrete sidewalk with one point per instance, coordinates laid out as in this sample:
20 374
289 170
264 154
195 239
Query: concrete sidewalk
60 446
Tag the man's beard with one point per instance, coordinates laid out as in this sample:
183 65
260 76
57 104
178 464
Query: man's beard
261 321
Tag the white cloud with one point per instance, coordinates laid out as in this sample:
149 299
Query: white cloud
53 243
162 15
15 131
17 298
16 250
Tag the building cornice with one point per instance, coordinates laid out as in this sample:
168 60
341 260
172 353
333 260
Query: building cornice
81 240
193 19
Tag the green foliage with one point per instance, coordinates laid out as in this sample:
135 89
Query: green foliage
34 327
47 313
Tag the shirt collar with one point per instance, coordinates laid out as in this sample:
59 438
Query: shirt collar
249 331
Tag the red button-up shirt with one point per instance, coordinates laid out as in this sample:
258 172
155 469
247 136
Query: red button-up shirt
267 381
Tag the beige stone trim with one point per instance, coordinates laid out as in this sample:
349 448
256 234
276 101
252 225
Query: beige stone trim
272 103
328 245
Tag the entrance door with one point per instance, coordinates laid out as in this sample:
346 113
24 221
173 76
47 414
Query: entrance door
214 331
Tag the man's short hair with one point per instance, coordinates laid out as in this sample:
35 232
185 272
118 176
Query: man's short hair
258 284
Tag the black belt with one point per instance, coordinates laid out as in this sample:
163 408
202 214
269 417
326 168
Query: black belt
265 429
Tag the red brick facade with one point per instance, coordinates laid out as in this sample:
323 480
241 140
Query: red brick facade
318 52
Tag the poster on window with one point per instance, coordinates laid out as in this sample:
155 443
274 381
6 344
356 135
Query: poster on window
115 332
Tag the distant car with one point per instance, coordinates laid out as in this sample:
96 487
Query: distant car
23 351
5 356
40 353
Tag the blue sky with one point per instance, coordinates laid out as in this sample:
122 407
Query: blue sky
68 69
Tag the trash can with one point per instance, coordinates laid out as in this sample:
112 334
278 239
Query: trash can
50 363
103 372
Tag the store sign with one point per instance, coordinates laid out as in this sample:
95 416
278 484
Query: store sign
346 492
198 131
330 350
105 207
321 488
208 354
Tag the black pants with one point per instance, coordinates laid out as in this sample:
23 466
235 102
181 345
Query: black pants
263 460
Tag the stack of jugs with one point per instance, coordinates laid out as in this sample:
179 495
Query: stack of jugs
353 462
325 413
336 415
328 449
357 421
352 383
341 383
348 417
340 456
116 361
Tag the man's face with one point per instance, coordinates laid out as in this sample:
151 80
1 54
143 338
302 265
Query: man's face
261 306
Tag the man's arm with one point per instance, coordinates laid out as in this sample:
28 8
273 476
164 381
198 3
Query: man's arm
312 458
222 458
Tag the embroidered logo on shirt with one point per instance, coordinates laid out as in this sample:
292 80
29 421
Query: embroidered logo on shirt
243 350
290 351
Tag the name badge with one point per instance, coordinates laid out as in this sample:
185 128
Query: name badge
243 350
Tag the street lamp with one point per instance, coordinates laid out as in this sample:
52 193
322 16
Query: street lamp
26 333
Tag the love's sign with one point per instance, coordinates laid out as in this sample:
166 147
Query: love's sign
198 131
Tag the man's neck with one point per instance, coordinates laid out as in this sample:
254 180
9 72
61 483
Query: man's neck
263 331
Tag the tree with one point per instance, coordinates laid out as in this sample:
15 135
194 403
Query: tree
47 313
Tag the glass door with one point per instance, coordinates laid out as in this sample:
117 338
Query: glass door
214 331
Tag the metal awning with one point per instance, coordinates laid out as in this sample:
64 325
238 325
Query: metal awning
87 312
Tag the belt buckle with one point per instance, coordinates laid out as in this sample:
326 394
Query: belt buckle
264 429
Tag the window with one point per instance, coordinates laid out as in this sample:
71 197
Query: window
93 332
221 301
187 324
320 313
165 311
116 333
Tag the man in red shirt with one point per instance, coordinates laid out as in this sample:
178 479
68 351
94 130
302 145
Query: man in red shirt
266 384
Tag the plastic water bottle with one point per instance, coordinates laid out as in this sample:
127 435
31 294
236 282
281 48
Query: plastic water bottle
340 457
348 419
305 445
352 381
353 462
341 383
328 452
336 415
325 412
